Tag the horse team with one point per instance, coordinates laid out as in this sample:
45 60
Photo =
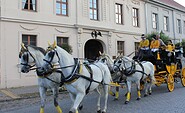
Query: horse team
56 67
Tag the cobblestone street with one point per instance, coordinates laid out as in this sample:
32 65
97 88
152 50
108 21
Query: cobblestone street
161 101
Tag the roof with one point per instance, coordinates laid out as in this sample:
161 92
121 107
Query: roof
173 3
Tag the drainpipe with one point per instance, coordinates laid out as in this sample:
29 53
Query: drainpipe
173 23
146 15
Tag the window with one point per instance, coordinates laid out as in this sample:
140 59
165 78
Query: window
154 21
184 27
178 26
29 5
62 40
120 47
93 9
62 7
135 14
118 10
166 23
29 39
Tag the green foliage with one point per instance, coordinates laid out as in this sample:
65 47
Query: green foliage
163 37
149 36
66 47
181 44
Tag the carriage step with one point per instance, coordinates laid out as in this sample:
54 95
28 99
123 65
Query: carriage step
10 94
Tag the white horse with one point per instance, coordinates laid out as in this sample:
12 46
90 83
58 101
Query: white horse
135 72
116 76
31 56
77 77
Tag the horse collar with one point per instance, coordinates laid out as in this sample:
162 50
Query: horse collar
73 76
131 71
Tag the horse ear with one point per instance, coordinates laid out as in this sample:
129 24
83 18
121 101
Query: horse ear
100 53
22 46
49 43
54 44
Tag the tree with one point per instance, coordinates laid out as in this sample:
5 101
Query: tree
163 37
181 44
67 47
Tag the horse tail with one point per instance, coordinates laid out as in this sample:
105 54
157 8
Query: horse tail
152 73
153 78
107 79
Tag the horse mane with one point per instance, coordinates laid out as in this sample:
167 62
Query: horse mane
38 49
124 57
108 58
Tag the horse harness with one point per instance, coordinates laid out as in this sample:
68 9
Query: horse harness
133 69
75 74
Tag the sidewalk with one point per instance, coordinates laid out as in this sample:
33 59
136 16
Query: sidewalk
18 93
10 94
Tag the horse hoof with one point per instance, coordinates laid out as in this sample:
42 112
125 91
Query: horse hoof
99 111
126 102
150 93
138 98
80 107
70 112
145 95
103 112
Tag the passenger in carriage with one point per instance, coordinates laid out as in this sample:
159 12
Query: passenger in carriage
162 47
170 49
161 41
143 47
154 46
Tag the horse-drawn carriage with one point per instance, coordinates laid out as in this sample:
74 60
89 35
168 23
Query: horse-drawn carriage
168 66
168 69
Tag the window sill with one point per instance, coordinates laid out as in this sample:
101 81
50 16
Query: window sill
62 15
28 10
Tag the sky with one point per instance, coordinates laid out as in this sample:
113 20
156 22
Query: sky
182 2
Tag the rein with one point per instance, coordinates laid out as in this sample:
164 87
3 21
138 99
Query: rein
133 69
74 74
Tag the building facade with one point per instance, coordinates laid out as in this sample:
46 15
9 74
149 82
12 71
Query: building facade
35 22
166 16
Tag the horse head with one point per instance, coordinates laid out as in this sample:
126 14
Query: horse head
105 58
122 63
26 59
51 57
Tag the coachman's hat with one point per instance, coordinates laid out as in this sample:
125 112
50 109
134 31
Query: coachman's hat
143 36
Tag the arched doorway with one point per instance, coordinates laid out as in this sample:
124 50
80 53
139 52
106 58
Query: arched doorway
92 48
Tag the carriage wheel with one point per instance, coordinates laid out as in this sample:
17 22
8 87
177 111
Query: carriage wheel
183 77
170 82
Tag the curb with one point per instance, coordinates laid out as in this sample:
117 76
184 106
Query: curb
28 96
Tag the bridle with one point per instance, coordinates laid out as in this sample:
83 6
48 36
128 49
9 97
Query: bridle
25 54
52 54
73 76
125 70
